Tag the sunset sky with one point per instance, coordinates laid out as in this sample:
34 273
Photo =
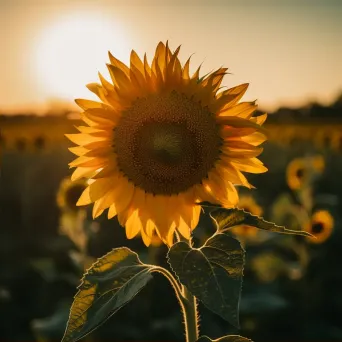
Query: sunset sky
290 51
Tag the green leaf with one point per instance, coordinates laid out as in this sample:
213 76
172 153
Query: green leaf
230 338
212 273
228 218
110 283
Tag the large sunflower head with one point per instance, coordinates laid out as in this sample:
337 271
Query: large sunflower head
160 141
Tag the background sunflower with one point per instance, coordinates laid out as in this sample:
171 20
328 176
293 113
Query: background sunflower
320 226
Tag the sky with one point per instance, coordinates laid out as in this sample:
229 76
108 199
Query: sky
289 51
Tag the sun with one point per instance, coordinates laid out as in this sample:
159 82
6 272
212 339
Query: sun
71 50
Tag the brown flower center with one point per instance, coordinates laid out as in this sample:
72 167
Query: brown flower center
300 173
317 228
166 143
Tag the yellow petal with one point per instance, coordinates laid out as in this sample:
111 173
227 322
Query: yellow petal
109 170
104 113
78 150
118 64
87 104
100 187
233 197
216 184
260 119
136 62
101 152
241 154
87 129
186 74
228 172
147 68
119 78
233 95
146 238
96 210
82 139
105 84
156 206
125 191
252 165
84 198
205 194
96 144
159 57
237 122
88 162
107 200
255 138
196 212
231 132
112 211
98 90
184 229
82 172
133 225
238 144
242 110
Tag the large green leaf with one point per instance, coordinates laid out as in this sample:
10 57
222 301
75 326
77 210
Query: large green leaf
212 273
110 283
230 338
227 218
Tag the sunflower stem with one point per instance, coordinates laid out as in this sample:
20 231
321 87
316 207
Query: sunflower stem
167 274
187 303
190 314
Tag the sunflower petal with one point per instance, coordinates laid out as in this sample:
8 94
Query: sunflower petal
252 165
137 62
82 172
88 104
242 110
133 225
84 198
118 64
112 211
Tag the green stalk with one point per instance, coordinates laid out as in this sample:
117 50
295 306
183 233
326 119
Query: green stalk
187 303
189 309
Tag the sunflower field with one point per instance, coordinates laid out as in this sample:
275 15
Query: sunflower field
172 210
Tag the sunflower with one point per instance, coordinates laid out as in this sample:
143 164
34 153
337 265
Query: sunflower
300 171
249 204
321 226
69 193
161 141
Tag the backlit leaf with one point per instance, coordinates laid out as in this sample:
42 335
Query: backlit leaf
228 218
111 282
212 273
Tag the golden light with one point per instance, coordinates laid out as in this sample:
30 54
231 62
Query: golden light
72 49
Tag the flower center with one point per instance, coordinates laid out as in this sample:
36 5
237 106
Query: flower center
317 228
166 143
300 173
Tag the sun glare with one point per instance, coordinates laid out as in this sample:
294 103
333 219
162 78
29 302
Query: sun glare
72 49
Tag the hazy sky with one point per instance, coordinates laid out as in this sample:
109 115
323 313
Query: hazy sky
289 51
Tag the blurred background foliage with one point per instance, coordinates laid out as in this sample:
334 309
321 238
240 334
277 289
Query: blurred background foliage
292 285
